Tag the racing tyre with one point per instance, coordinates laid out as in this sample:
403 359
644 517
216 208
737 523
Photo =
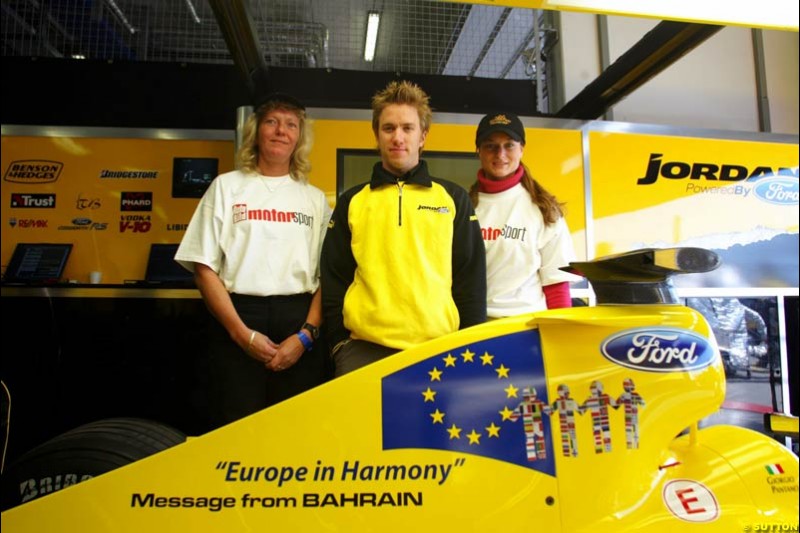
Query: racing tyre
83 453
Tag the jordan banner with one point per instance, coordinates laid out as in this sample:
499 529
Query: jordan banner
738 198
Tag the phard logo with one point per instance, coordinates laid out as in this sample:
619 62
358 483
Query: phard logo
658 350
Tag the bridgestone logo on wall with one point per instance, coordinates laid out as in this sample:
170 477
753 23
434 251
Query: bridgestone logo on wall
33 171
129 174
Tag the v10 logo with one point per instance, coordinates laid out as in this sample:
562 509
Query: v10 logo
135 224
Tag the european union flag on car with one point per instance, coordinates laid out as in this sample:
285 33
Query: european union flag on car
488 398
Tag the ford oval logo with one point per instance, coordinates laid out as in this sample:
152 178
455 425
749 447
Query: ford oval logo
778 190
659 350
81 221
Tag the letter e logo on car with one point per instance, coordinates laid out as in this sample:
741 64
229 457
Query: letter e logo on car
690 501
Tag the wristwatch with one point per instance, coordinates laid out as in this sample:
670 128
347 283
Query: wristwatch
311 328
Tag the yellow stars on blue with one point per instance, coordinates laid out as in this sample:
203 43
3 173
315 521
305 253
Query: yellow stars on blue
468 397
492 430
454 431
502 371
506 413
453 367
474 437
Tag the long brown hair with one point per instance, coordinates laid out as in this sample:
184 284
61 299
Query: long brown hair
548 204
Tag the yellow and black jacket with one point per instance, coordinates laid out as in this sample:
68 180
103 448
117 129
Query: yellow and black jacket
403 261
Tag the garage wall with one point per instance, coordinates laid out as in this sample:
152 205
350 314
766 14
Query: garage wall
713 86
781 63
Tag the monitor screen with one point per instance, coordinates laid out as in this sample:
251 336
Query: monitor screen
191 176
37 262
162 267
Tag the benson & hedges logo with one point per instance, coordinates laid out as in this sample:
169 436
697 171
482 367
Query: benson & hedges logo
33 171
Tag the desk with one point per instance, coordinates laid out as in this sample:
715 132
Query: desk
73 290
73 354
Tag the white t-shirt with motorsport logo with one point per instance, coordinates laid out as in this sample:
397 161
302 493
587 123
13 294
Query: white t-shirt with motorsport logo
522 253
261 235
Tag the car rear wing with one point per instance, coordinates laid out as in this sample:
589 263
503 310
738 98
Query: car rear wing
642 276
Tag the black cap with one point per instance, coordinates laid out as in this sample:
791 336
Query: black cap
507 123
280 98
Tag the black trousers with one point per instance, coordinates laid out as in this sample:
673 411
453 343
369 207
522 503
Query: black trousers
238 385
358 353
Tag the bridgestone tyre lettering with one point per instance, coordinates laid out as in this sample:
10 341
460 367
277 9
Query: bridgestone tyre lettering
82 453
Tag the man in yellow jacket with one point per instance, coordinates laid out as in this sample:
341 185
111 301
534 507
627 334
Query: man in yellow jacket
403 260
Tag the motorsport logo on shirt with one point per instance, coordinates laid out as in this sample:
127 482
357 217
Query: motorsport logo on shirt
241 213
508 232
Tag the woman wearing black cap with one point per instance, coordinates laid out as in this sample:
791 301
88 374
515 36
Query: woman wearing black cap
523 225
253 244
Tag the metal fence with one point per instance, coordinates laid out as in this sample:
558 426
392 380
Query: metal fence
414 36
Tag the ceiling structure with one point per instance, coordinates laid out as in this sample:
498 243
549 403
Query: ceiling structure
462 40
419 36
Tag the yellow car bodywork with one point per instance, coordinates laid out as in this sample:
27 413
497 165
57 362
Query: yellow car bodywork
567 420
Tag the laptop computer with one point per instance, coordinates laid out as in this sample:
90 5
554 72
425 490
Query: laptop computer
37 263
163 270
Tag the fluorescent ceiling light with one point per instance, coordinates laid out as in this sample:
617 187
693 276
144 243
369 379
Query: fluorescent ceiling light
373 21
121 16
193 11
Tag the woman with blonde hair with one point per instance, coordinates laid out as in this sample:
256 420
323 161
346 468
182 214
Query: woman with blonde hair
253 244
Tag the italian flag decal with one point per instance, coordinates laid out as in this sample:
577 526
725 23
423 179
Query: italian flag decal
774 469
